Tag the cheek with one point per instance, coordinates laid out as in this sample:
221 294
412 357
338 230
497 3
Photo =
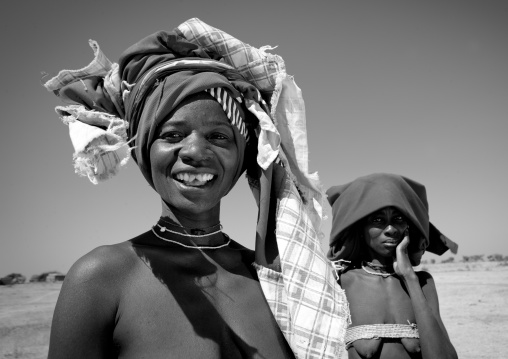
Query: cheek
161 157
373 232
230 162
160 153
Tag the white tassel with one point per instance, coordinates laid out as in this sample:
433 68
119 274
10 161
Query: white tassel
99 140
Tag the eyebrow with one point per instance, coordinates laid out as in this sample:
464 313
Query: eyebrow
219 123
183 122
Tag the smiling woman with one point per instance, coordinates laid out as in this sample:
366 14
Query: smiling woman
194 160
185 289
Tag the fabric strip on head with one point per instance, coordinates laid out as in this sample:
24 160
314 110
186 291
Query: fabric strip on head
230 108
356 200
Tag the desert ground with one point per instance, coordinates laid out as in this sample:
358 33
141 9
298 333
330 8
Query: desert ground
473 301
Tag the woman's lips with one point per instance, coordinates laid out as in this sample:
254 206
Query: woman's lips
393 243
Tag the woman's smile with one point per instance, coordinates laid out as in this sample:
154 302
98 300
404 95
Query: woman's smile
194 179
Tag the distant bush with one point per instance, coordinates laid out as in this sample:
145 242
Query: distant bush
52 276
449 260
480 258
13 278
475 258
496 258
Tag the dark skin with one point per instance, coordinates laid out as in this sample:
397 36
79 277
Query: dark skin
147 298
407 296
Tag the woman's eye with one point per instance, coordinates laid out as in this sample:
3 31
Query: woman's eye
219 136
399 219
172 136
377 220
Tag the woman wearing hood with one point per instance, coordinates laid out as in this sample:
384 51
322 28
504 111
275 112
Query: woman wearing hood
190 107
379 233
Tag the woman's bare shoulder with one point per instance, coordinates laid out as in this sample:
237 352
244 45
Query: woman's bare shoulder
88 301
103 265
349 277
425 278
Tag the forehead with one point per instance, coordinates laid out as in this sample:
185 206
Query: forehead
386 211
204 109
199 110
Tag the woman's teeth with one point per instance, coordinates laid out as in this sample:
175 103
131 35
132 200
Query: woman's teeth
199 179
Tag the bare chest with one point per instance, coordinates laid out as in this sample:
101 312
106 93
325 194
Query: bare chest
378 300
185 312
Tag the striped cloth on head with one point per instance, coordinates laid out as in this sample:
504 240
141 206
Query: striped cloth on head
230 109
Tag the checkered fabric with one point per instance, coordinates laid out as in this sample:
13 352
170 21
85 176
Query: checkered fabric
273 288
259 67
100 66
317 308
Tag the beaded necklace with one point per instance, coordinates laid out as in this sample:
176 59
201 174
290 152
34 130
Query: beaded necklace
163 229
366 265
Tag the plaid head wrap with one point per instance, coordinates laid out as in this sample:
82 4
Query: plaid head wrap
122 104
354 201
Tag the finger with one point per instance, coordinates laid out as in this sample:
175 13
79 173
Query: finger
403 244
405 240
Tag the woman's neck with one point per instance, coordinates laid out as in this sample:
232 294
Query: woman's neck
191 231
173 216
378 261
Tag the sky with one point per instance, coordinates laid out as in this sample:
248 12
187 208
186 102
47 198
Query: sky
414 88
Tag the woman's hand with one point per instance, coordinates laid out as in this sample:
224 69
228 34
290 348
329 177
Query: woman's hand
434 340
401 263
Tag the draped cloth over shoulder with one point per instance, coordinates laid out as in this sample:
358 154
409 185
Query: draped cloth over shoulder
355 200
309 306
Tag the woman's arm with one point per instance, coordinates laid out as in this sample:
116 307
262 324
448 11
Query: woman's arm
434 340
84 317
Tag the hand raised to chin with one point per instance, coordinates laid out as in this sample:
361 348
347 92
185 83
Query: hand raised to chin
401 263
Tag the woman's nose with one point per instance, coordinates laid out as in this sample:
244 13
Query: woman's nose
194 148
390 230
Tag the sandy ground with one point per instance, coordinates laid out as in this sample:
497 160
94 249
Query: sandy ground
474 307
25 319
473 300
